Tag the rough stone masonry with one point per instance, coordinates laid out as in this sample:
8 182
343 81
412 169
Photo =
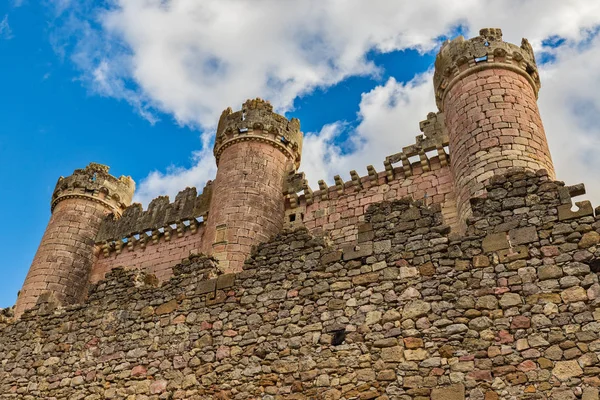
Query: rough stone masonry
465 275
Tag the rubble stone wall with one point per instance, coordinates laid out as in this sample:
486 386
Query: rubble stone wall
510 311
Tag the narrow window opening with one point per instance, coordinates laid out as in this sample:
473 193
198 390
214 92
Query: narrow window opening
480 59
94 177
292 217
338 337
221 234
486 44
243 115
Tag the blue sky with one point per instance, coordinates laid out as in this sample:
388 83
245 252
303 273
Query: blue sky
139 84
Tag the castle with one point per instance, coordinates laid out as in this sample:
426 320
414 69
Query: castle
460 270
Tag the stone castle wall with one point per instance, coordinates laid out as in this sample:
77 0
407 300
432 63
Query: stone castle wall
510 310
338 213
157 258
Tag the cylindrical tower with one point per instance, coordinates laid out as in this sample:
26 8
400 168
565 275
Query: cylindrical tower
255 150
487 90
63 261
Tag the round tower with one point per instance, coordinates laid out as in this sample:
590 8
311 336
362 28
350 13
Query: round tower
487 90
255 150
62 263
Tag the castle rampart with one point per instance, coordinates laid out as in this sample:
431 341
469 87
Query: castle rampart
460 270
488 122
511 311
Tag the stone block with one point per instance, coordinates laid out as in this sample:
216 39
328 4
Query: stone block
564 370
167 307
495 242
365 232
590 393
353 252
225 281
523 235
513 254
454 392
481 261
383 246
365 279
392 354
331 257
207 286
565 213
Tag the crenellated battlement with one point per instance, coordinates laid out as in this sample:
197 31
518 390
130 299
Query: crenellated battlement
434 138
185 212
257 121
487 50
95 183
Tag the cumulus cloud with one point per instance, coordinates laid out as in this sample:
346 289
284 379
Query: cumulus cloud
388 115
570 109
191 59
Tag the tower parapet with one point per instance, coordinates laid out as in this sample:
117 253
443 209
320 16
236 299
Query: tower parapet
256 121
460 57
487 90
62 264
96 184
255 150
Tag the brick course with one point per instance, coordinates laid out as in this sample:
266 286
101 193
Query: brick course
340 215
64 258
248 206
494 124
158 259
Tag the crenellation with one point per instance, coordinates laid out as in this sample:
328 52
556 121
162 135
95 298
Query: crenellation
257 121
96 184
161 213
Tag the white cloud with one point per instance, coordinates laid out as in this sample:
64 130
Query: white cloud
5 30
177 179
570 109
191 59
389 116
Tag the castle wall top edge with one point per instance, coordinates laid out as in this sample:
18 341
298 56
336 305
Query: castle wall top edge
94 181
257 119
486 50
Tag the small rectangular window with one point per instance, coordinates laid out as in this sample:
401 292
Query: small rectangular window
221 234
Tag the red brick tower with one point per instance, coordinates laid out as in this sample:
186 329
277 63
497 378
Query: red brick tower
255 151
62 263
487 90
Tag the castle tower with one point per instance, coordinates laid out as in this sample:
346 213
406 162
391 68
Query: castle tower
487 90
62 263
255 150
